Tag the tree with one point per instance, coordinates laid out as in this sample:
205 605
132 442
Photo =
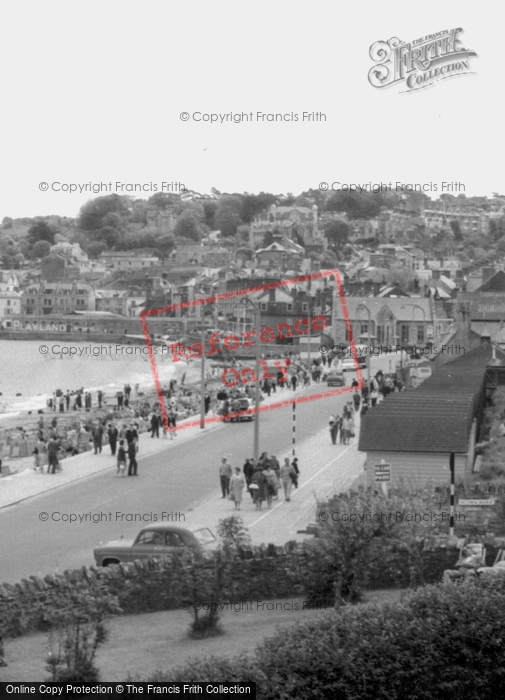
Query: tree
209 213
456 229
356 205
188 226
268 239
336 232
109 235
228 215
165 244
40 249
243 235
95 249
163 200
360 536
254 204
92 214
41 231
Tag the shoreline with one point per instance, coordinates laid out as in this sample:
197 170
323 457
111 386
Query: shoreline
15 425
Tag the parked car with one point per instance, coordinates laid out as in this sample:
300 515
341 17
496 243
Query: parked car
335 377
155 540
239 408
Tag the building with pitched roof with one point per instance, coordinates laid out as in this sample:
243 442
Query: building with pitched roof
385 320
416 431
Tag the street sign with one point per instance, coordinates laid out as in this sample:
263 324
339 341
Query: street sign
382 472
476 502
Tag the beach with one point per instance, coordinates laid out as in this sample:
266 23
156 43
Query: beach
29 378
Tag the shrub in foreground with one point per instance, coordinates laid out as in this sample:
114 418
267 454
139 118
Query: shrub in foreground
439 642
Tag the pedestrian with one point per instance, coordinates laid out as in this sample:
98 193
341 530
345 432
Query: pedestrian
121 459
100 398
345 430
52 455
350 428
248 470
112 434
132 435
172 420
61 402
333 429
357 401
296 469
237 483
132 456
155 425
37 462
271 484
67 399
119 399
294 380
225 472
286 471
97 435
258 484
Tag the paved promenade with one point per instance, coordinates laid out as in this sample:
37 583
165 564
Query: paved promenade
324 470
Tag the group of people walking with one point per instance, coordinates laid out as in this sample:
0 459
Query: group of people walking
262 479
343 425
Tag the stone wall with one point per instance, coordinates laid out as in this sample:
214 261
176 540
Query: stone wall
259 573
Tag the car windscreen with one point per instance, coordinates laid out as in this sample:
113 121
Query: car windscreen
204 536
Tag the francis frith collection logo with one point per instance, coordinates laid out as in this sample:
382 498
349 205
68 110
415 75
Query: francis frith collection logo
421 63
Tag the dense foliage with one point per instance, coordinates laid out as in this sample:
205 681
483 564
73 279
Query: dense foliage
438 643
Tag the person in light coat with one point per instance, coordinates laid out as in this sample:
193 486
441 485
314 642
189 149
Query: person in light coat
237 484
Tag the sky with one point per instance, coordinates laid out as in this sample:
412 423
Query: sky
93 93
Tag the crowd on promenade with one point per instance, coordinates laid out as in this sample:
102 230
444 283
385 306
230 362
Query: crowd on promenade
263 479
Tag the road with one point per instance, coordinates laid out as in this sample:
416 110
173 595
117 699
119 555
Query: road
170 481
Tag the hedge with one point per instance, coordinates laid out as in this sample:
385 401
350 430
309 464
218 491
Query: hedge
440 642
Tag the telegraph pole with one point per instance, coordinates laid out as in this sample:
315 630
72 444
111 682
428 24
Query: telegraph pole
258 373
202 387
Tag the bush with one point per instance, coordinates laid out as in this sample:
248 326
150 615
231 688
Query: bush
438 643
78 630
365 532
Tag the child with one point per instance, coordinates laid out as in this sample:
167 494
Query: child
37 464
121 459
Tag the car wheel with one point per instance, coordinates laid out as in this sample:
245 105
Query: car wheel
110 562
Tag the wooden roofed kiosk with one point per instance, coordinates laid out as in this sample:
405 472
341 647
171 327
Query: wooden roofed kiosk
419 432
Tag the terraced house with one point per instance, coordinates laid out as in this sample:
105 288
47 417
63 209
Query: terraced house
46 298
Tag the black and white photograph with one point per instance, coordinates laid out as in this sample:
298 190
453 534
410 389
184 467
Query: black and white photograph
252 350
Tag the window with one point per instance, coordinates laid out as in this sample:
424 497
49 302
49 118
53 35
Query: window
263 306
420 334
289 307
363 329
150 537
380 334
405 334
305 306
172 539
